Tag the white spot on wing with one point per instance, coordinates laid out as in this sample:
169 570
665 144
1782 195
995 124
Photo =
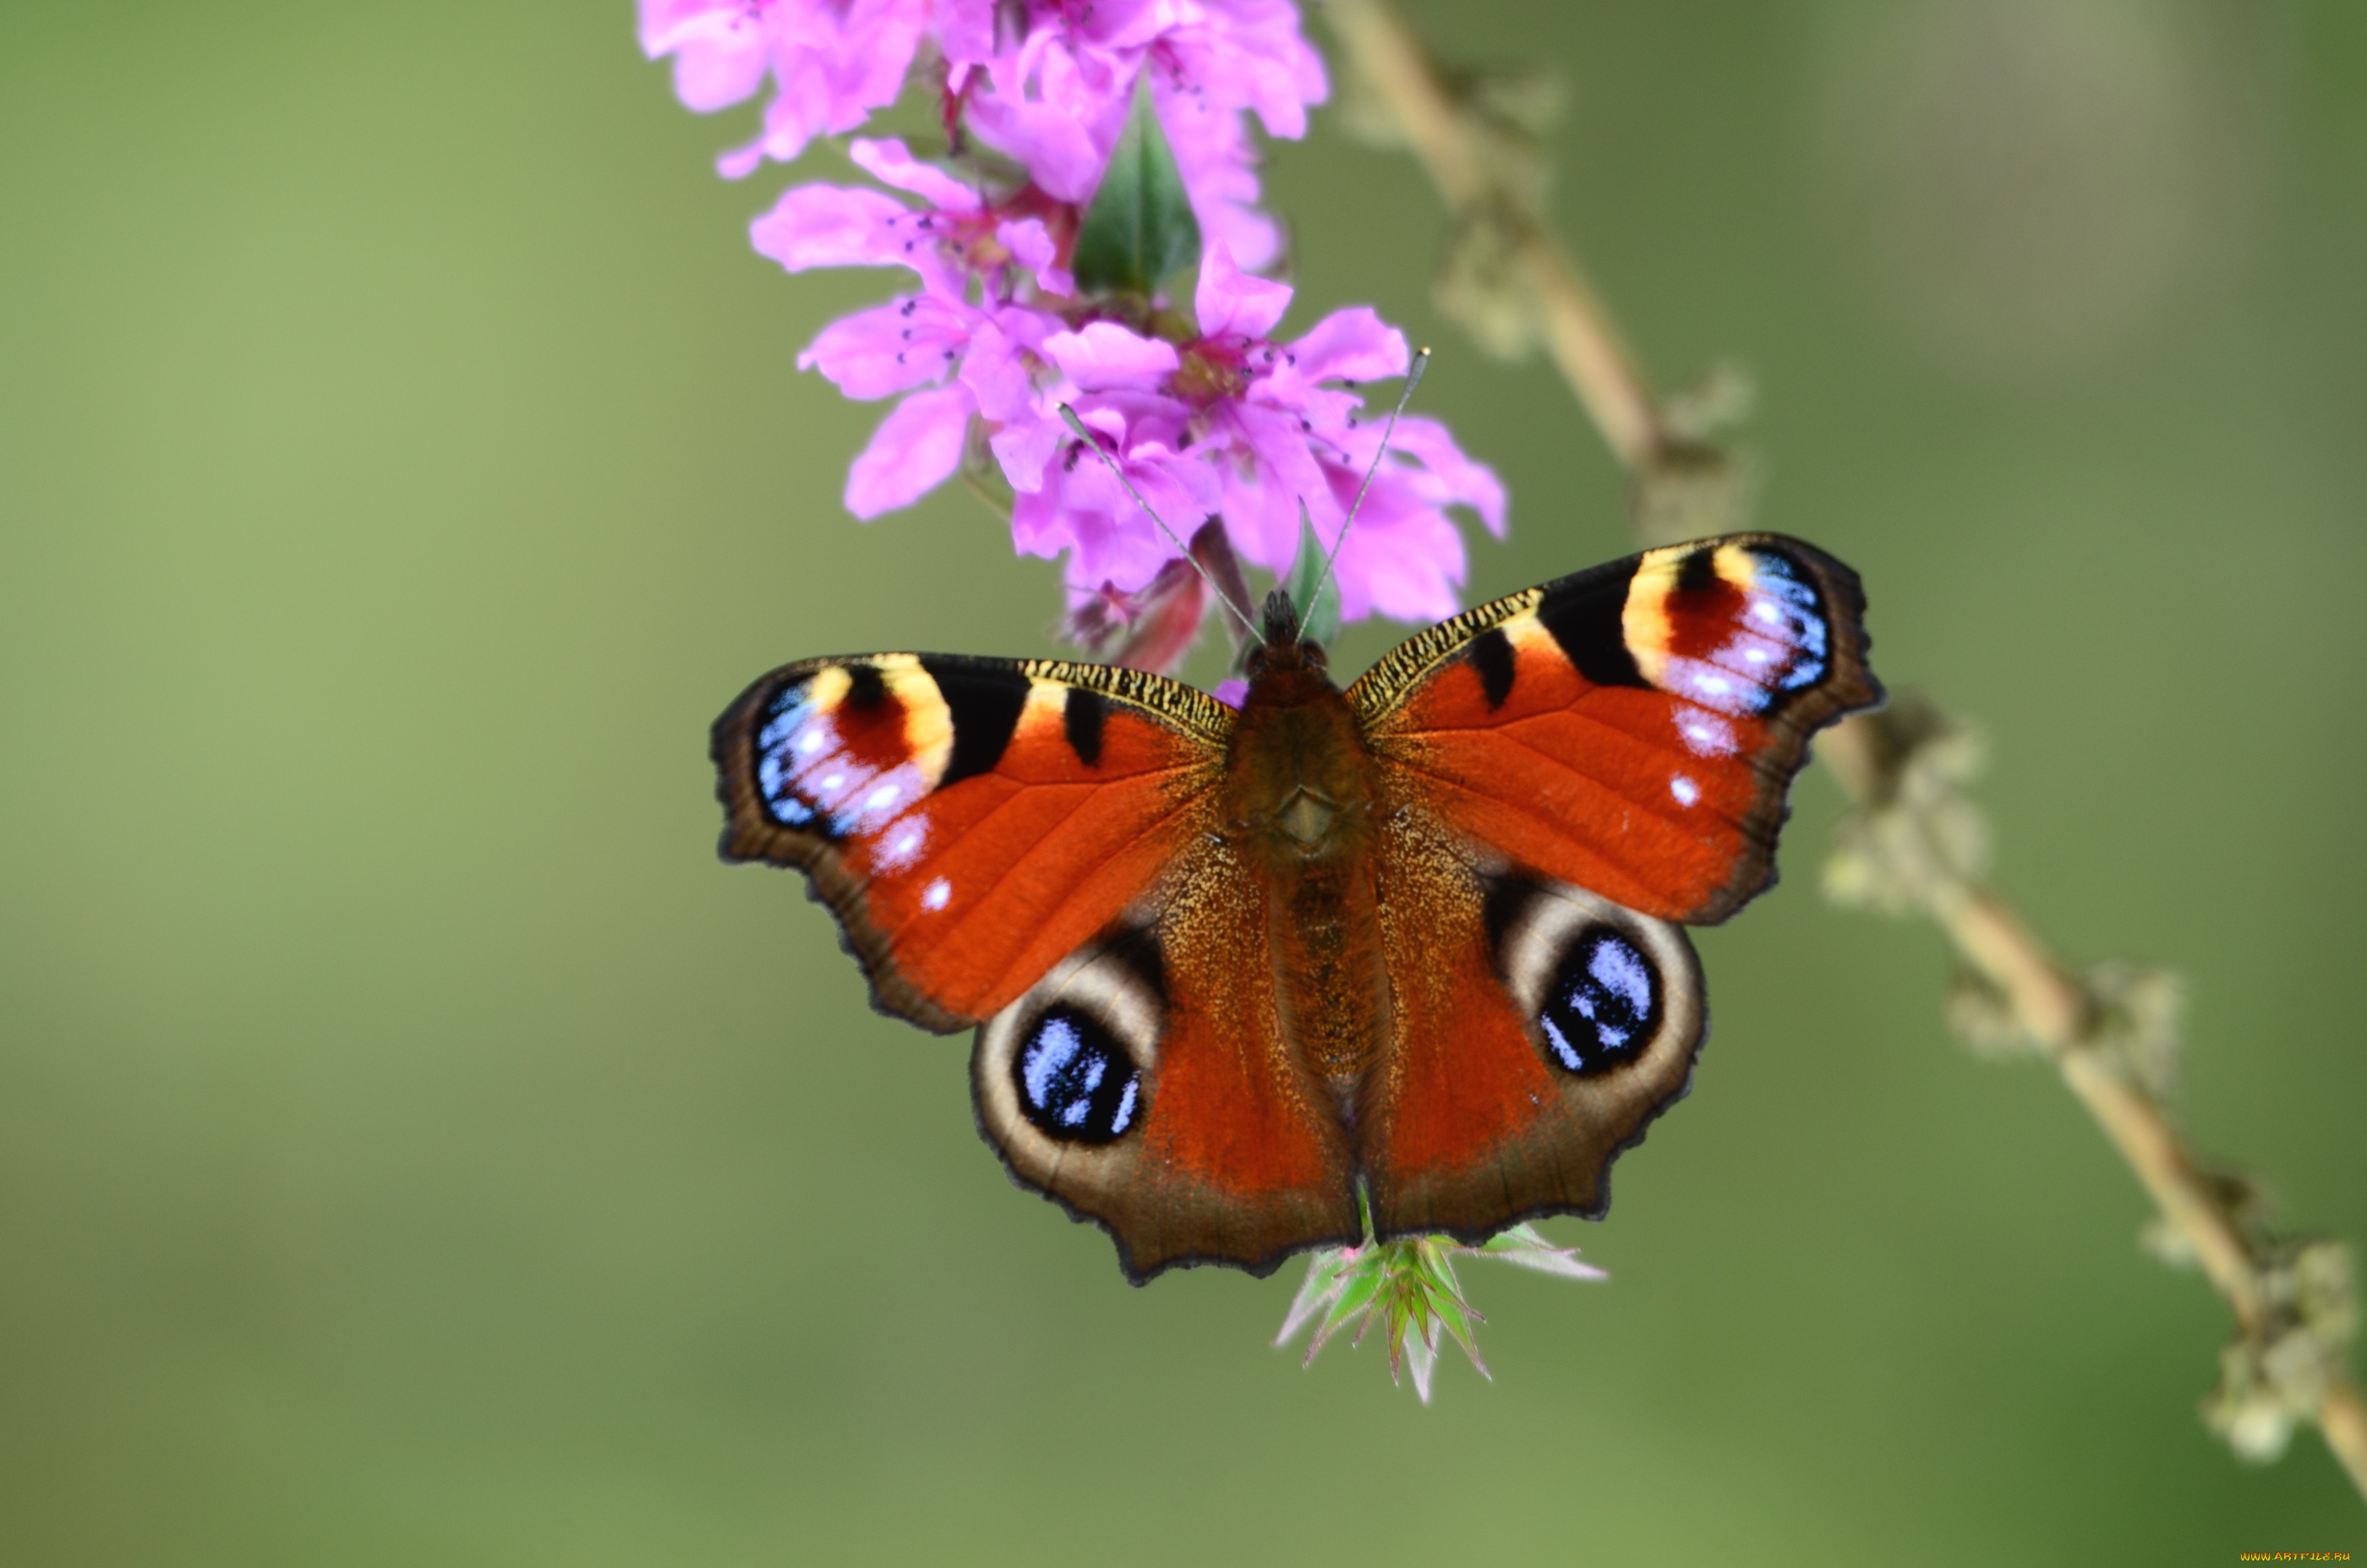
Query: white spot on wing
934 896
1706 735
1684 789
906 844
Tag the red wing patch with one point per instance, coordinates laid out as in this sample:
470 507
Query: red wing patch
1633 729
969 821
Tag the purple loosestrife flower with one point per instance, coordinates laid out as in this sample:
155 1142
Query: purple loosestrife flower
1231 422
1048 81
1207 415
832 62
1217 421
957 337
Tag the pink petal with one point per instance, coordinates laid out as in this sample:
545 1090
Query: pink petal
1218 167
890 348
1057 145
831 226
1025 446
1353 345
1402 557
1030 244
874 56
1453 478
719 54
916 448
1229 300
1106 355
1039 525
1261 519
996 375
1119 548
801 108
741 161
1082 505
667 24
1113 25
966 33
889 163
707 80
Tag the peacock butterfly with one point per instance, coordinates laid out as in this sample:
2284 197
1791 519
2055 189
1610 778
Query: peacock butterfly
1421 937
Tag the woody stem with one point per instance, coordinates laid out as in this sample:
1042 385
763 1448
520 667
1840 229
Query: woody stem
1985 930
1578 332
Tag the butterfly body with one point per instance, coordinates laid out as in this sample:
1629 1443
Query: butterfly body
1300 803
1416 938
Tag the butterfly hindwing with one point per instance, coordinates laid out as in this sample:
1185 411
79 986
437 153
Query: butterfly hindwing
1566 772
1536 1028
969 821
1145 1083
1632 729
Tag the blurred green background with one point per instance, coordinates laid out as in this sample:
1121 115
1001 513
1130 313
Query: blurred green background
416 1148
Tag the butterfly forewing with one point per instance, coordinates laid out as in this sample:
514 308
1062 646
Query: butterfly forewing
969 821
1632 729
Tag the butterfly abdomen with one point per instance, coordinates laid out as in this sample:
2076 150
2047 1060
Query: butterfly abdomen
1299 807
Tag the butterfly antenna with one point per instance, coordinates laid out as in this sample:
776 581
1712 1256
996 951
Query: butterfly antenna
1405 395
1090 439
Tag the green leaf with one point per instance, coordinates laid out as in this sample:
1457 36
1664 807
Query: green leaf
1323 1271
1453 1314
1520 1238
1319 617
1356 1295
1138 230
1524 1247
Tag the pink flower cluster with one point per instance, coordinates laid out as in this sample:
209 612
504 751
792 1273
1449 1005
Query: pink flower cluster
1210 415
1045 82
